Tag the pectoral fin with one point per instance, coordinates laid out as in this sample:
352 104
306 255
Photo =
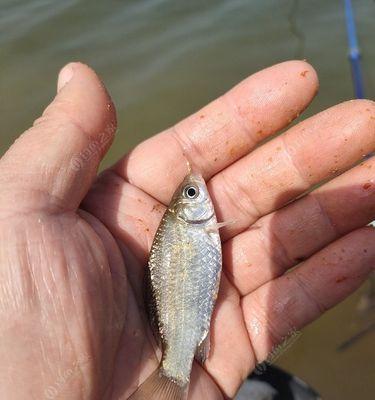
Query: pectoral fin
203 350
215 227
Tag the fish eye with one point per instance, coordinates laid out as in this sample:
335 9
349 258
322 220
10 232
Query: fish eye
191 192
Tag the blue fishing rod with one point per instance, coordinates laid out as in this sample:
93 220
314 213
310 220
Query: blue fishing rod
354 52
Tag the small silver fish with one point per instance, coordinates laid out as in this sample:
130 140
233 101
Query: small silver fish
183 279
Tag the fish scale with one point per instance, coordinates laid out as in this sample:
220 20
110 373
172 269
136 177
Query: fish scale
187 282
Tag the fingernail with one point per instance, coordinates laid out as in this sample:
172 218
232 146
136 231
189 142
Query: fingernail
65 76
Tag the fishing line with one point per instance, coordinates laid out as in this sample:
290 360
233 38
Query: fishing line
295 31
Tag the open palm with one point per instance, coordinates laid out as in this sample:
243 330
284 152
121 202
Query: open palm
74 247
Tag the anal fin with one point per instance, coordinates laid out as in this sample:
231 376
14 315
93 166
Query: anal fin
203 350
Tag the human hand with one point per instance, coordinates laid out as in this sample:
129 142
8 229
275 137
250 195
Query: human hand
73 324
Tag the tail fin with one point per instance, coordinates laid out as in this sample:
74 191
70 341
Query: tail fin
159 387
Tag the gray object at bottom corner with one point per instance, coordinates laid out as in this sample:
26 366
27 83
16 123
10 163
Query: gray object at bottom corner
276 384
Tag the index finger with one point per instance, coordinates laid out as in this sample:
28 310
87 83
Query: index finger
223 131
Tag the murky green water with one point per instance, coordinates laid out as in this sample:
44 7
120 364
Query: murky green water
163 59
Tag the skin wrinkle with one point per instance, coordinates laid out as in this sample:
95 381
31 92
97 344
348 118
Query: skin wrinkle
67 257
81 320
51 298
8 279
57 189
252 339
68 341
65 120
34 301
313 300
201 387
4 287
145 237
243 261
208 122
33 275
354 125
228 190
100 150
315 220
325 214
54 293
338 126
234 109
44 240
104 265
106 268
286 259
235 300
133 275
272 335
293 162
51 295
44 317
222 394
123 179
49 207
187 146
45 358
143 354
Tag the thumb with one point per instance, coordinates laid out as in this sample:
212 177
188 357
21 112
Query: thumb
53 164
